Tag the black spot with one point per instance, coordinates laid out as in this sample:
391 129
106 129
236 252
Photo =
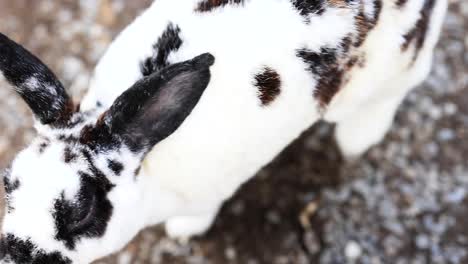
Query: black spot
352 62
45 143
308 7
268 82
401 3
417 35
169 42
10 187
378 4
35 83
209 5
24 251
75 120
88 215
91 166
68 139
326 69
346 44
147 67
115 166
69 155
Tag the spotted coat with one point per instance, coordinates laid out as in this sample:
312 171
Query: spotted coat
189 102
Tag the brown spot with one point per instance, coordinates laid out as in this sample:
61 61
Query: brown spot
338 3
98 136
209 5
268 82
418 34
346 44
325 67
352 62
65 115
137 171
69 155
86 134
355 60
365 24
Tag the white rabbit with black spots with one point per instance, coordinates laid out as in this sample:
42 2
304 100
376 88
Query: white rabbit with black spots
189 102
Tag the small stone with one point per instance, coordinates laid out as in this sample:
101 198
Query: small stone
353 250
435 113
311 242
230 253
107 14
71 67
450 108
125 258
391 245
432 149
422 241
456 196
445 134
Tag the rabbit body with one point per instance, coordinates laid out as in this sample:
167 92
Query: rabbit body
189 102
279 68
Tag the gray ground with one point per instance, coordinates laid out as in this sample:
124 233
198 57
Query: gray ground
404 202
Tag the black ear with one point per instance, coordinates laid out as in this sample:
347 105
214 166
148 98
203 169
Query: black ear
156 106
35 82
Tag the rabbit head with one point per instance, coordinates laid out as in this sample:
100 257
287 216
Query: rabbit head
73 194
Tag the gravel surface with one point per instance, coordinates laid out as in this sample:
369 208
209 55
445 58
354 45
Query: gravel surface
405 201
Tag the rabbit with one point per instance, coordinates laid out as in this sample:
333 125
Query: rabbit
189 102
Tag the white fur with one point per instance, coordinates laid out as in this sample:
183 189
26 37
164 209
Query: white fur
229 135
44 178
32 83
28 167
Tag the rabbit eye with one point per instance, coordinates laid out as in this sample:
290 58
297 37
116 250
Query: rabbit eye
87 215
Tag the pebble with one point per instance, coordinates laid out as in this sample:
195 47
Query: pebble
312 242
450 109
445 134
125 258
456 196
353 250
422 241
230 253
72 66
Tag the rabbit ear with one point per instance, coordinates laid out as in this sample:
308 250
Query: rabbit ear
35 82
154 107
